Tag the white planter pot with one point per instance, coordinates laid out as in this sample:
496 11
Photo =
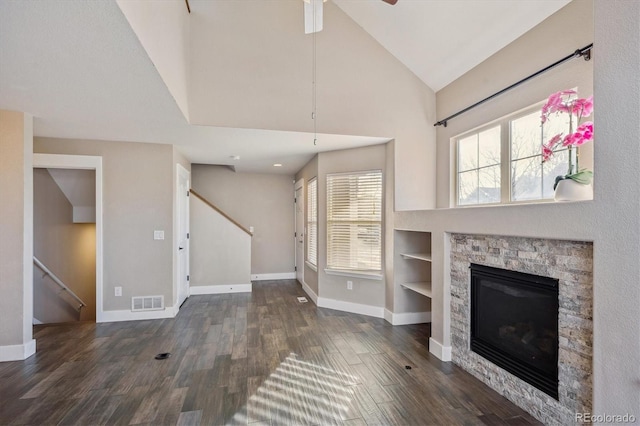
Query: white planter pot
570 190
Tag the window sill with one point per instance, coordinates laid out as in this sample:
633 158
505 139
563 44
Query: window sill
512 204
355 274
311 265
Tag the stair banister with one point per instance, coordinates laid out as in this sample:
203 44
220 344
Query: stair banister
59 282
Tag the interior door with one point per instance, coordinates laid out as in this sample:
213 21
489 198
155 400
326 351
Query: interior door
182 234
299 233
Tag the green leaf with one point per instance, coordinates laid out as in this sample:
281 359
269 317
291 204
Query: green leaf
583 176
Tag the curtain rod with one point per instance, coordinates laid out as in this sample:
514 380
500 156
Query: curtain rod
585 52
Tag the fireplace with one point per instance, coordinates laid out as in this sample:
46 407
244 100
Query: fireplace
514 324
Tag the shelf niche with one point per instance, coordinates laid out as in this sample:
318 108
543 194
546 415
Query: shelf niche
412 271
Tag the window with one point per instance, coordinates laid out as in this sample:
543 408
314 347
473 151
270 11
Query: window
531 179
509 150
312 222
479 167
354 221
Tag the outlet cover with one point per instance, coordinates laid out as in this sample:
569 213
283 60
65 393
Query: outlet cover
349 285
158 235
118 291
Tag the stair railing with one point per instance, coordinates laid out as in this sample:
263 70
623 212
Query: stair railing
46 272
214 207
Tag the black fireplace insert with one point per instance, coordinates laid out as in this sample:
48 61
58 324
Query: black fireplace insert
514 324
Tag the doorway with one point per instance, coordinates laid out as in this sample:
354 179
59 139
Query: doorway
55 162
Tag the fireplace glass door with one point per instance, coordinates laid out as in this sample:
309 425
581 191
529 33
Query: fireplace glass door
514 324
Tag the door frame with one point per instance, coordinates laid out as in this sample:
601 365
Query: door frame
82 162
298 185
180 170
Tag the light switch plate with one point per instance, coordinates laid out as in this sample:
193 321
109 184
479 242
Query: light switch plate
118 291
158 235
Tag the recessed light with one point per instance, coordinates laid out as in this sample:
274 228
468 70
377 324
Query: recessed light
234 157
277 165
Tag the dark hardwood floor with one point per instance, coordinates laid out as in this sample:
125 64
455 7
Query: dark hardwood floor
260 358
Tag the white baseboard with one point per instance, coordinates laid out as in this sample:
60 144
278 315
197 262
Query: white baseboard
310 293
441 352
17 352
128 315
220 289
407 317
278 276
36 321
354 308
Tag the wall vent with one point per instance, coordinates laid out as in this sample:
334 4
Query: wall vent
147 303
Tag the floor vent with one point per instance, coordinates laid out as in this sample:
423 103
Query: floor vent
147 303
302 299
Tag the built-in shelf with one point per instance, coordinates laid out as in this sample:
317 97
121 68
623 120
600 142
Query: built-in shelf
419 256
411 275
423 288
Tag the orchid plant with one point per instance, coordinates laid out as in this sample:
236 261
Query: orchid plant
566 102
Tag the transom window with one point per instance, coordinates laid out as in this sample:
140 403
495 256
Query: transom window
509 150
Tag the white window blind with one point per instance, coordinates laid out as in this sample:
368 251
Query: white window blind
354 221
312 222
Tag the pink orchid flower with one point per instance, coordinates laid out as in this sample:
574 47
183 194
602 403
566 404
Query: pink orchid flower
564 101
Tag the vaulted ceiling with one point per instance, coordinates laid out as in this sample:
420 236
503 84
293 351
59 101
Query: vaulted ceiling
83 73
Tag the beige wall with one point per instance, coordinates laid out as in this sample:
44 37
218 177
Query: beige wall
308 172
617 206
361 88
67 249
264 201
137 199
389 186
163 30
220 250
611 220
560 34
365 291
16 229
523 57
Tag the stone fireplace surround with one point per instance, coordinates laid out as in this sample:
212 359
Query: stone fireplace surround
571 262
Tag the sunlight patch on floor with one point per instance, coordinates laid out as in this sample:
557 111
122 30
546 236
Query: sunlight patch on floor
299 392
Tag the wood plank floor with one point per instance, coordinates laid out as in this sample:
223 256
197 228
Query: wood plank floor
260 358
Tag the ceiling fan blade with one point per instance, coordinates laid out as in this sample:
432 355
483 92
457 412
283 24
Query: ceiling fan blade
391 2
